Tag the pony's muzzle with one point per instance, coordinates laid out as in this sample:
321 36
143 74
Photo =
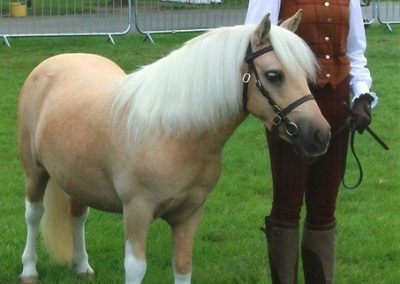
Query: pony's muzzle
311 143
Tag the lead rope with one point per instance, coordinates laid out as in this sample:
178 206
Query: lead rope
360 170
349 125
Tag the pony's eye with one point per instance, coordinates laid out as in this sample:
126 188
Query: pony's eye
274 77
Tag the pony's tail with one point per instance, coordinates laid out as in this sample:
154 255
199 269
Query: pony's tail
57 223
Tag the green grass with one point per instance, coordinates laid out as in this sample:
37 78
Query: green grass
229 246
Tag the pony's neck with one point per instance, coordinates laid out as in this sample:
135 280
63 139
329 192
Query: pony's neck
223 133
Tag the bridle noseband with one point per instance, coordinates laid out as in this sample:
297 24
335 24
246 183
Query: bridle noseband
280 114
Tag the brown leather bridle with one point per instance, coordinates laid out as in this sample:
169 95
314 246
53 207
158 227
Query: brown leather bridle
280 114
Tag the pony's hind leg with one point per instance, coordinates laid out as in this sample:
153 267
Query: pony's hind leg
35 184
33 214
80 260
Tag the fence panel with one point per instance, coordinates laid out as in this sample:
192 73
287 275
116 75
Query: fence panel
64 18
369 11
388 12
159 16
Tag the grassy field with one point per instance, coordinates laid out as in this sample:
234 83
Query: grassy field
229 246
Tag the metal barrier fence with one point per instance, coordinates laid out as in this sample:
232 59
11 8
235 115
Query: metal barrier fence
388 13
25 18
384 12
161 16
369 11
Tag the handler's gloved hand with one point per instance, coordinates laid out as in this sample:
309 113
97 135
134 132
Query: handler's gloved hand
362 111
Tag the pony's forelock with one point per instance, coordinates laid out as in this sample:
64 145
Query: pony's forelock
293 53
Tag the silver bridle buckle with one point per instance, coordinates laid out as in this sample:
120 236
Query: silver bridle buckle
246 77
277 120
292 129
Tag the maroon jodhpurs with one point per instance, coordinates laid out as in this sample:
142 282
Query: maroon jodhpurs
317 183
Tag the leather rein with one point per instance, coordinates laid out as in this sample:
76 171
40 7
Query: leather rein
280 114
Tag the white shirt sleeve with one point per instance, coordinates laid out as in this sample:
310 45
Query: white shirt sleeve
259 8
360 77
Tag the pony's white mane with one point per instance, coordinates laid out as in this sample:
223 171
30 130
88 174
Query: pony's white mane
198 86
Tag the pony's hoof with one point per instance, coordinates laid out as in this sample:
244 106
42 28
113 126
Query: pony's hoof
30 280
83 269
86 275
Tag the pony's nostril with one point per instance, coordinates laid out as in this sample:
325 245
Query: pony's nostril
320 139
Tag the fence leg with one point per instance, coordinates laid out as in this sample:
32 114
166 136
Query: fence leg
149 38
388 27
6 42
110 39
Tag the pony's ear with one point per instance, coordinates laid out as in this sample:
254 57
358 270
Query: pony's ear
293 22
262 30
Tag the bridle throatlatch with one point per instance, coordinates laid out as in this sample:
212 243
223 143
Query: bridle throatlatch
280 114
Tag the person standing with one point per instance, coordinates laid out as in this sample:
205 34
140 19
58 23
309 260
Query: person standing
335 32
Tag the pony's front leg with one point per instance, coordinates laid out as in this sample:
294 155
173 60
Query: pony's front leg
137 219
182 241
33 213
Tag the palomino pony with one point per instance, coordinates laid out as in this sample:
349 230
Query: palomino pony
149 144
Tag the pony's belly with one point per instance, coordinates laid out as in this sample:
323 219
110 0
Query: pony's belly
106 205
95 196
91 189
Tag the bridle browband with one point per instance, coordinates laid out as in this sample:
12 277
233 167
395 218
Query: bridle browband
280 114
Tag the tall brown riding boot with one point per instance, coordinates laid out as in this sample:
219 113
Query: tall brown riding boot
283 251
318 249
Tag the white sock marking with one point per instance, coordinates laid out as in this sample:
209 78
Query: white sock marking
33 214
135 268
182 278
80 260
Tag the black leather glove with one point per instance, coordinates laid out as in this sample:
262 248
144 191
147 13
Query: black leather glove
362 111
